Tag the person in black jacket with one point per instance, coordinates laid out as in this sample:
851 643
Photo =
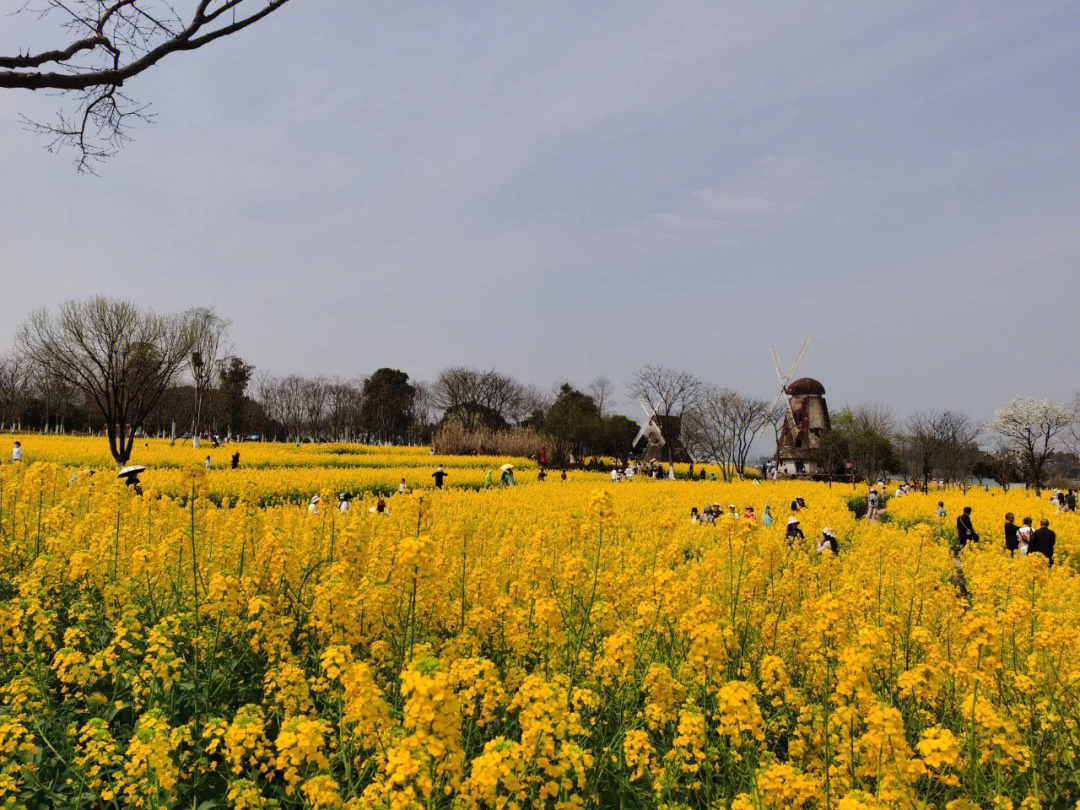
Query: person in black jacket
1011 541
965 529
793 531
1042 541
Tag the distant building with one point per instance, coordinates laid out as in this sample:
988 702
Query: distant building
804 425
662 431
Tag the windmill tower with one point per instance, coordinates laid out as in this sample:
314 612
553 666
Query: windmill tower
806 418
654 427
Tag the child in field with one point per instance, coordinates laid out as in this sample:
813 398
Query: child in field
1023 536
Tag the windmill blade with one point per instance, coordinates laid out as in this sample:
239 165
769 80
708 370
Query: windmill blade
640 435
776 364
799 356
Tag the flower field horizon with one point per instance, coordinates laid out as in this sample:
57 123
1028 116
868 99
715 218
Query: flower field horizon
561 644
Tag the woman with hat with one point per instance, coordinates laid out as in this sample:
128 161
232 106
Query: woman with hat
793 531
828 542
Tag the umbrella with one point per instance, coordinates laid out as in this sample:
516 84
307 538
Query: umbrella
506 467
134 469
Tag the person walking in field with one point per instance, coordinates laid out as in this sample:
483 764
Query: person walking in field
235 463
872 504
964 529
439 475
1023 536
766 518
16 453
1043 540
941 510
1012 543
487 479
313 506
208 464
403 488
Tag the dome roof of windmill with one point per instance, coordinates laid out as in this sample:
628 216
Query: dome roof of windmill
806 386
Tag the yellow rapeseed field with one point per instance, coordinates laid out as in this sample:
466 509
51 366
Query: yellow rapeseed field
557 644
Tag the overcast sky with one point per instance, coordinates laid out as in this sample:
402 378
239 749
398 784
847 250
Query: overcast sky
567 190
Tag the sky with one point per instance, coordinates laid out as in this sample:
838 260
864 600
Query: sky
567 190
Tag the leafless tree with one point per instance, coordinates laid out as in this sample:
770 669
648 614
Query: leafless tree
1005 463
102 45
121 357
707 430
57 398
532 401
670 394
957 449
602 390
423 410
475 398
344 399
940 444
13 389
269 402
722 427
209 333
290 404
315 394
876 418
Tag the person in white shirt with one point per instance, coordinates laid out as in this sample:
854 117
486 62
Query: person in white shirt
208 463
402 487
614 475
313 507
344 502
16 453
827 542
1023 535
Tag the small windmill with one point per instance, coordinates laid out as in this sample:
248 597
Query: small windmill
651 426
785 381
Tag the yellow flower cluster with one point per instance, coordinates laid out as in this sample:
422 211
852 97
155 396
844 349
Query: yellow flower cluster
550 645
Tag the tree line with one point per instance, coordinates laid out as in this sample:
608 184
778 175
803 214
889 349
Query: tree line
109 366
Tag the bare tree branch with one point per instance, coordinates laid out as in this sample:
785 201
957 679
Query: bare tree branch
113 41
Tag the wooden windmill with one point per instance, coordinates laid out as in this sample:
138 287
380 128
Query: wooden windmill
806 418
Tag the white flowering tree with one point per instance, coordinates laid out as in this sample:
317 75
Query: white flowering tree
1032 428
